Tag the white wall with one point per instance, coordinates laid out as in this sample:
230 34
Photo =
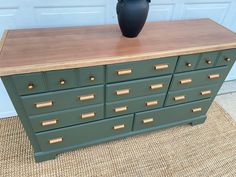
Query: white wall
49 13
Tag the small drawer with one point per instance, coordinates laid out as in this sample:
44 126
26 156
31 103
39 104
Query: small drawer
86 133
64 99
193 94
187 63
61 79
198 78
29 83
207 60
170 115
134 105
131 89
65 118
140 69
227 57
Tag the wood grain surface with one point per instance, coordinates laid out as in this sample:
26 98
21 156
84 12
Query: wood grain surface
33 50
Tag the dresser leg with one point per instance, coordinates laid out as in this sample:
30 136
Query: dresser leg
198 121
40 157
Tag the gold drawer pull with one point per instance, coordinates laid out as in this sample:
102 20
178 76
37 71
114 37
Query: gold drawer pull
87 97
56 140
30 86
156 86
122 92
152 103
196 110
44 104
161 66
185 81
188 64
62 82
149 120
179 98
92 78
209 62
88 115
124 71
206 92
117 127
49 122
227 59
121 109
214 76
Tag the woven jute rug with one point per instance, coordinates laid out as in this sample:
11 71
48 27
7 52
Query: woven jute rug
203 151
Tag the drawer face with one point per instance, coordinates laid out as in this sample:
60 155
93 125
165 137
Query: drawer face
187 62
132 89
207 60
61 79
193 94
61 100
65 118
140 69
91 76
134 105
81 134
170 115
198 78
227 57
29 83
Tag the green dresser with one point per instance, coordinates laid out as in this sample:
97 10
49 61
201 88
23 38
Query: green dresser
99 86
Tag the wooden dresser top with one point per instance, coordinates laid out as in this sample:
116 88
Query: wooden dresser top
32 50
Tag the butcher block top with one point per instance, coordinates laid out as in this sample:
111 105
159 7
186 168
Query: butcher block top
33 50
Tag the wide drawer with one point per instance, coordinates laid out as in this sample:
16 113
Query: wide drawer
140 69
193 94
198 78
227 57
134 105
170 115
66 118
61 100
85 133
131 89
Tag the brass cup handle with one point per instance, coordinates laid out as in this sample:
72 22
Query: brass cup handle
151 103
44 104
49 122
179 98
185 81
148 120
206 92
122 92
161 66
86 97
124 71
118 127
56 140
88 115
214 76
156 86
121 109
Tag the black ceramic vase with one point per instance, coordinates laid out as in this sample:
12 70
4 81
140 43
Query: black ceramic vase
132 15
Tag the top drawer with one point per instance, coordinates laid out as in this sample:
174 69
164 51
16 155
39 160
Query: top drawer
227 57
140 69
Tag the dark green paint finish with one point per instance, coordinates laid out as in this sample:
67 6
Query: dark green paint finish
169 115
66 117
199 78
22 82
207 60
187 63
64 99
136 88
140 69
80 134
134 105
225 55
191 94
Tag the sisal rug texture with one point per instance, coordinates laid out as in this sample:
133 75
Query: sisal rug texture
207 150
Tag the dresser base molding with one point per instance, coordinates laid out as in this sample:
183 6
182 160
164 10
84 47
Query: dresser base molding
50 155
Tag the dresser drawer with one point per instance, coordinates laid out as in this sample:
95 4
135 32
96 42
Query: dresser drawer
193 94
85 133
198 78
170 115
66 118
29 83
207 60
134 105
140 69
61 100
131 89
227 57
187 63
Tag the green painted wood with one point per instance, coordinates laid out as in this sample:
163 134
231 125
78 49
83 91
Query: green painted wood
140 69
168 115
22 82
225 55
63 99
187 63
191 94
80 134
134 105
207 60
66 117
137 88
